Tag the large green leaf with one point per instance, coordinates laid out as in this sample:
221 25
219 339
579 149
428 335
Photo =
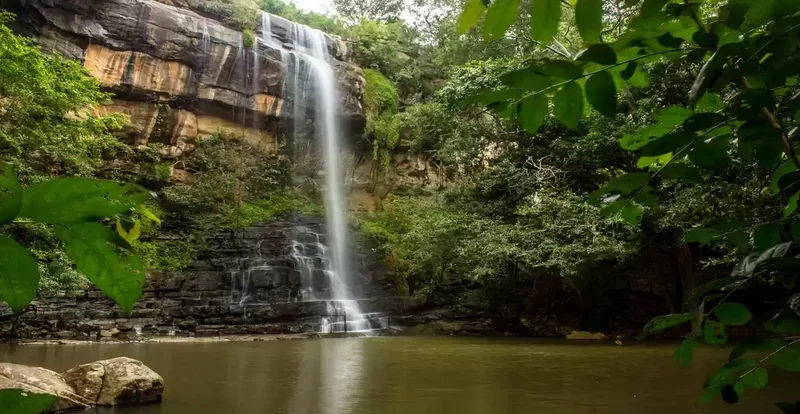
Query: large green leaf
659 323
732 313
75 200
710 155
10 193
680 171
788 359
624 184
92 247
568 104
651 7
668 143
602 94
714 333
600 53
499 18
767 236
19 274
472 13
533 110
685 353
526 79
703 121
786 168
545 17
783 325
17 401
632 214
561 69
589 19
760 345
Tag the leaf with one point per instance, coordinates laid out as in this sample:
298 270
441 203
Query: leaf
714 333
17 401
791 207
499 18
729 394
659 323
651 7
600 53
545 17
75 200
719 284
764 344
783 325
120 275
794 229
789 408
568 104
733 314
632 214
756 379
788 359
774 181
703 121
710 102
710 155
19 275
490 97
472 13
767 236
10 193
561 69
533 110
589 19
624 184
679 171
708 74
602 94
700 235
526 79
148 214
685 353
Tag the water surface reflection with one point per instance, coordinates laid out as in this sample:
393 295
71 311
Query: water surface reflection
420 376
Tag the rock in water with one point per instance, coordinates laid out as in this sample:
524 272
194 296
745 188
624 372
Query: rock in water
40 380
583 335
118 381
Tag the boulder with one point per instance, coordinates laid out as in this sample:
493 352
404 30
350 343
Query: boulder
118 381
583 335
42 381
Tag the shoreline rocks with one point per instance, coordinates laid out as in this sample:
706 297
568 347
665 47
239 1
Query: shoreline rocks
108 383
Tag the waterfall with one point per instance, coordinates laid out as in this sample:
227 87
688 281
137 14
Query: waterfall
205 42
313 72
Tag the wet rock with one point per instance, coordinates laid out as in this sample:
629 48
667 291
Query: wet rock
118 381
586 336
40 380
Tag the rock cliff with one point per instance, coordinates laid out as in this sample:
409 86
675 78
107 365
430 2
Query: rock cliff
179 72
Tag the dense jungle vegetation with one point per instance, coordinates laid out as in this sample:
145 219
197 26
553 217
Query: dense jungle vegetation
580 140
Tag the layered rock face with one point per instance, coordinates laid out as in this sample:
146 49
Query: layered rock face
254 281
178 74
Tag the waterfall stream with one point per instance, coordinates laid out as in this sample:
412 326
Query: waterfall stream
307 58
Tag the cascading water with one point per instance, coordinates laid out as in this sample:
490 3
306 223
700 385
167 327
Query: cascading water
313 80
310 55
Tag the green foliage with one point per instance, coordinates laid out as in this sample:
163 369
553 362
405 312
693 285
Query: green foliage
328 24
94 248
248 38
168 255
40 133
381 104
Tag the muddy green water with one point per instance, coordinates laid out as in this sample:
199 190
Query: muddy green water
417 376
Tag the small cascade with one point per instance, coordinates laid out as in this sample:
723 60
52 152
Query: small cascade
205 41
344 316
137 330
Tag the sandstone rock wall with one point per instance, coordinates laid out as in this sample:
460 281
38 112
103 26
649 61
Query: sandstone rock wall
180 74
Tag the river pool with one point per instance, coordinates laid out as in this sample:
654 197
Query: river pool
442 375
